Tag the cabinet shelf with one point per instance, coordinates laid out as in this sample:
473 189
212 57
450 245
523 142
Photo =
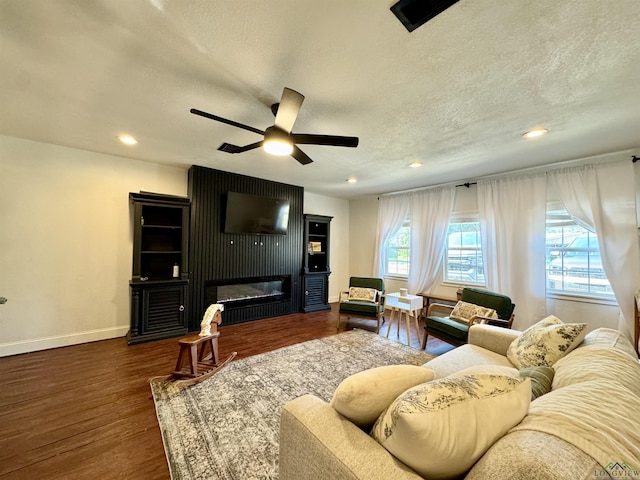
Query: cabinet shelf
316 263
160 243
159 251
166 227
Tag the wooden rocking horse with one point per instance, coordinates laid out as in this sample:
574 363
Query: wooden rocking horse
195 364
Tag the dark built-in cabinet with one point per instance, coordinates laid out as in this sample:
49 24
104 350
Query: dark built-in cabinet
160 278
316 269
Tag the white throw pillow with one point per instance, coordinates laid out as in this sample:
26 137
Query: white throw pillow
362 397
362 294
464 312
545 342
441 428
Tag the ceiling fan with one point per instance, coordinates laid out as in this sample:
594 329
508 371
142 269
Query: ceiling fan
278 139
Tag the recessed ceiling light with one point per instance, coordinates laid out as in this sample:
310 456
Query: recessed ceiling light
352 180
416 164
127 139
536 132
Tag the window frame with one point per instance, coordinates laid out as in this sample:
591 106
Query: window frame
460 218
559 217
405 224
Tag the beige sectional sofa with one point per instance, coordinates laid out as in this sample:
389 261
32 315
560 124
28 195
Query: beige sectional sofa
586 427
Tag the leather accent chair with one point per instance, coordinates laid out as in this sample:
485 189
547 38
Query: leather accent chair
455 332
363 309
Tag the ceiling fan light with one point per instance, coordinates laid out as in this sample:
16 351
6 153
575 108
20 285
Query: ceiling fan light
277 142
278 147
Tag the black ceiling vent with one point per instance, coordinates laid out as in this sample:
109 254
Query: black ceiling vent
413 13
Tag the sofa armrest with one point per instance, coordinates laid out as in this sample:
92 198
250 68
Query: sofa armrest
318 443
496 339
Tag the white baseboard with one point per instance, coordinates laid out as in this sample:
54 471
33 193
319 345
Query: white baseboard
34 345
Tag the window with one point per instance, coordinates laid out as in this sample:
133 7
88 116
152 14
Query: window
573 262
397 252
463 258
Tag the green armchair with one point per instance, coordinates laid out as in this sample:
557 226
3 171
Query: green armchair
363 307
455 332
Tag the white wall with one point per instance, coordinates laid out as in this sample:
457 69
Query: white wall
362 251
66 242
339 239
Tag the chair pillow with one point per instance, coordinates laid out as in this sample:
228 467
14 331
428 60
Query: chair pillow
362 294
441 428
545 342
363 396
464 312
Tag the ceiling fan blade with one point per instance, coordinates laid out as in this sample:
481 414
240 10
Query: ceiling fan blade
333 140
288 109
229 148
300 156
224 120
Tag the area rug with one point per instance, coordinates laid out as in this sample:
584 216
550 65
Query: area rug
227 427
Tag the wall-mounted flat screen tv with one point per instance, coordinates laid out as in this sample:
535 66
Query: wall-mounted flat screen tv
255 214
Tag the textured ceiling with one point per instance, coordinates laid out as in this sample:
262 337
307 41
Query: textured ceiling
456 94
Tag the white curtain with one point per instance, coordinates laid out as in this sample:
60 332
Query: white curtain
392 212
513 224
430 213
602 197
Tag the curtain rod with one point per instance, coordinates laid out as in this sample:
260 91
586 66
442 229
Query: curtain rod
467 184
593 159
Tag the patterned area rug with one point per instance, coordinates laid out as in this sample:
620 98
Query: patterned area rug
227 427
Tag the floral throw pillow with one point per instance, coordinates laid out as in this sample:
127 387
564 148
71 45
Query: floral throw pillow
363 294
442 427
464 312
545 342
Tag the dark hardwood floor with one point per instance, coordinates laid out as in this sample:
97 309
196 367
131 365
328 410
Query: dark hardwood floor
86 411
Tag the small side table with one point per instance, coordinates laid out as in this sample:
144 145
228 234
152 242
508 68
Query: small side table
410 305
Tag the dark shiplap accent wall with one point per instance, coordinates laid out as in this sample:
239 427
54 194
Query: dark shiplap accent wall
212 256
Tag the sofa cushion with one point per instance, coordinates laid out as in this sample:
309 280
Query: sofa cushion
545 342
488 370
441 428
464 312
596 362
531 455
463 357
362 397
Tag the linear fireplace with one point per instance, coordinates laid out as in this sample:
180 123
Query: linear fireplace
243 292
